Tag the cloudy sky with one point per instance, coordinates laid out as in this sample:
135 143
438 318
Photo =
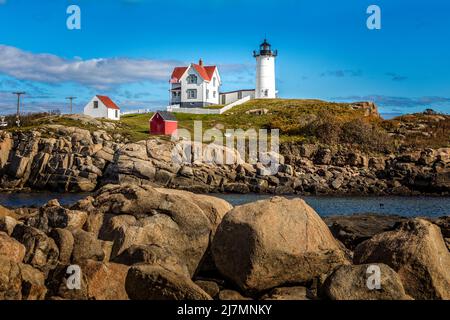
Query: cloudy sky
127 48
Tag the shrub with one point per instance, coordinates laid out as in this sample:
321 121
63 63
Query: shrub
369 136
326 128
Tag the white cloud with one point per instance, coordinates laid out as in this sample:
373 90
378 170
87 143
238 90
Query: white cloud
97 73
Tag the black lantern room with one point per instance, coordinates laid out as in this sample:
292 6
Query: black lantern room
265 49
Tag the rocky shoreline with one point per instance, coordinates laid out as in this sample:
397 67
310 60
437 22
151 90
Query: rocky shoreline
145 243
70 159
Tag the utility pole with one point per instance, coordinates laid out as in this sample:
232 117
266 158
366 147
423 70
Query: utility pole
71 99
20 93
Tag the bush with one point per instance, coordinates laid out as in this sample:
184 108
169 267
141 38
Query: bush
369 136
326 128
363 133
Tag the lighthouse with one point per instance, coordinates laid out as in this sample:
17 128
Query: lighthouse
265 71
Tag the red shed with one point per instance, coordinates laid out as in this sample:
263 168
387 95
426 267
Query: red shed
163 122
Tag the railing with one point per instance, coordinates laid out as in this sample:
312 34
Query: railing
138 111
177 108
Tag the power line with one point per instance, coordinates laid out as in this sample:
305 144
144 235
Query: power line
19 94
71 99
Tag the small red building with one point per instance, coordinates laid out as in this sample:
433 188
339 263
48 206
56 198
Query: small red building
163 123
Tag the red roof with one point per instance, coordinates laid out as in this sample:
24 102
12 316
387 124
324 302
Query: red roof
206 72
108 102
178 73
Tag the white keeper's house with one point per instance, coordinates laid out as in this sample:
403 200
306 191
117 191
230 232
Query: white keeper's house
194 86
102 107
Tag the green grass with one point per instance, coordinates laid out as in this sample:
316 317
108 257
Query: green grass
215 106
136 126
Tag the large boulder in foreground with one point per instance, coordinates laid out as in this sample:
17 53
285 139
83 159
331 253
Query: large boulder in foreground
181 222
417 252
268 243
214 208
147 282
350 282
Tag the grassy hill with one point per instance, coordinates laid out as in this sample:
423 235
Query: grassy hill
312 121
288 115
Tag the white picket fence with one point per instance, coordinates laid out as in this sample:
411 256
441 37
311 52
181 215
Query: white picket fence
176 108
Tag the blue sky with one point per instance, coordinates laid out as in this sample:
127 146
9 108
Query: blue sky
127 48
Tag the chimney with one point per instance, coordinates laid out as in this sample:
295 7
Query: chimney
200 62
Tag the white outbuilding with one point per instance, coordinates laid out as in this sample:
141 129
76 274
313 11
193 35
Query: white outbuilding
102 107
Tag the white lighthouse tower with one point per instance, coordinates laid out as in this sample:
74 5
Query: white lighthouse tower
265 72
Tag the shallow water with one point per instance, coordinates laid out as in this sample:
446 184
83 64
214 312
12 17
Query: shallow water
325 206
37 199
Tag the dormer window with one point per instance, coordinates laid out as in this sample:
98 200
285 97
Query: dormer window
192 79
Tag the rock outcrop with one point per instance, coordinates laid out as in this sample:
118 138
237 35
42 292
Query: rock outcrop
76 160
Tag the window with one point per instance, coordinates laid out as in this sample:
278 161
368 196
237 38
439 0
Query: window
192 94
207 93
95 104
191 79
214 94
214 81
